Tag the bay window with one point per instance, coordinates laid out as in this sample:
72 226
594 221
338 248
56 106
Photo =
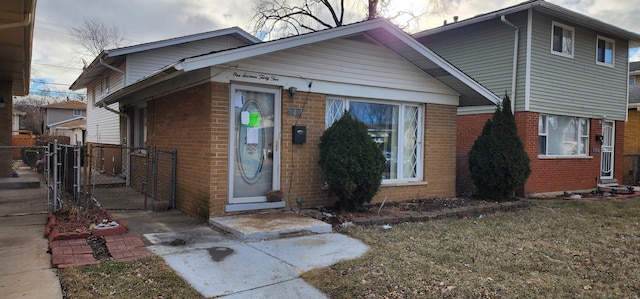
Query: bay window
563 136
395 127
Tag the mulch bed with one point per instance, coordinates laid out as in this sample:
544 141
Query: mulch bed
414 211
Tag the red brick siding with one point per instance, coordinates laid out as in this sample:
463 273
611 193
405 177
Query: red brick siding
547 175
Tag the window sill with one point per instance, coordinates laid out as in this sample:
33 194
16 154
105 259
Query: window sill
562 54
543 157
611 65
403 183
139 153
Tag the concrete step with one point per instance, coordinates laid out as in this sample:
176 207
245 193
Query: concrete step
263 226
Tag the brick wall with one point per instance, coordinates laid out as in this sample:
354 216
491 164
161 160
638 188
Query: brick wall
300 161
218 148
632 133
182 121
547 175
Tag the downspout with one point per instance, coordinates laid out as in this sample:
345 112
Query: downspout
25 22
515 61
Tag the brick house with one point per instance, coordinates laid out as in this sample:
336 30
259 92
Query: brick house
16 43
566 74
632 127
230 115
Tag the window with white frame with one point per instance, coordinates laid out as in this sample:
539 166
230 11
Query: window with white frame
562 39
605 51
77 112
395 127
563 136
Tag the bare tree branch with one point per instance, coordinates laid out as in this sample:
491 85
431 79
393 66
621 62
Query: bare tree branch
95 36
279 18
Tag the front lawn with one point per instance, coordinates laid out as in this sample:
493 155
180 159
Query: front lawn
558 249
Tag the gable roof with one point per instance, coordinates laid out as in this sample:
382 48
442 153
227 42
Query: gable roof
380 30
66 122
542 6
67 105
77 123
96 68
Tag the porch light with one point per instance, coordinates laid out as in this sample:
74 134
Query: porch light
292 92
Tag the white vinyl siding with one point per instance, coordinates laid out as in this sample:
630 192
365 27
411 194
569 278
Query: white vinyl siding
347 61
576 87
102 126
145 63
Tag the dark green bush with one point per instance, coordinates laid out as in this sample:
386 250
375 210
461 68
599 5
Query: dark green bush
29 156
352 164
498 162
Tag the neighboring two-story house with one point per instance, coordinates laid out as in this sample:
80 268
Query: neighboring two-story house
566 75
114 69
66 119
632 128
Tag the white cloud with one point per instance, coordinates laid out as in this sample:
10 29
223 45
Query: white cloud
151 20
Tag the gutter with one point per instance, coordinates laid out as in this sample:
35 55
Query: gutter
25 22
514 71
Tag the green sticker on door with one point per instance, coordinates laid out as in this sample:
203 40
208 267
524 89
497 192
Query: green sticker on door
254 119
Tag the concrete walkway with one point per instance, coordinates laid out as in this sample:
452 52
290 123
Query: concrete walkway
26 266
218 264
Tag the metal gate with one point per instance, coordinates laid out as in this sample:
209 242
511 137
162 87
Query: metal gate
53 166
128 178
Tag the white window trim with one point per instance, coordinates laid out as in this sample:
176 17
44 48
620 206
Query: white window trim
580 136
573 39
400 155
613 55
77 112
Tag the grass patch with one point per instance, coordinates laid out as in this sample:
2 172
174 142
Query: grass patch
149 277
558 249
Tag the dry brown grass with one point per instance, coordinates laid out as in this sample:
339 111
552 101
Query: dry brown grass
558 249
149 277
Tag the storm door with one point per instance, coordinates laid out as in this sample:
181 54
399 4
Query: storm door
254 143
606 164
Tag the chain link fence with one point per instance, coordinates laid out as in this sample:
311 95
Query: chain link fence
128 178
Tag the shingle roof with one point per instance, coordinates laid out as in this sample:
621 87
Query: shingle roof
634 66
68 105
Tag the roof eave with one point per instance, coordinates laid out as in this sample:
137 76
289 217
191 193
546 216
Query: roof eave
543 6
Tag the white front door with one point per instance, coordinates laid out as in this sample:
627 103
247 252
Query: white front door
254 131
608 141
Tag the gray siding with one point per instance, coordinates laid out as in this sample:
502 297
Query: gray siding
484 51
144 63
55 115
576 86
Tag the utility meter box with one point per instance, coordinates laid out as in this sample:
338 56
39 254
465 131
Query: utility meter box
299 134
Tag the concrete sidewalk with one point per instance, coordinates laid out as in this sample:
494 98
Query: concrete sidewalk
26 266
218 264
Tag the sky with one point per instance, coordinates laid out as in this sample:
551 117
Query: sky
55 58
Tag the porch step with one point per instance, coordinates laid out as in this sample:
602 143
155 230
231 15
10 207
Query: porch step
26 179
263 226
615 188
